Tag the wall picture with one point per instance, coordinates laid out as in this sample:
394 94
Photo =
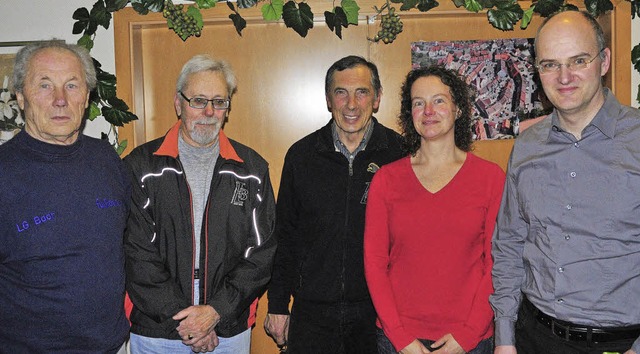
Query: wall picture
502 75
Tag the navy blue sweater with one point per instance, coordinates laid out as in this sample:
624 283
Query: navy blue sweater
62 216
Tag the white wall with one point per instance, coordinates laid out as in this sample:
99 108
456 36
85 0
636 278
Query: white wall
24 20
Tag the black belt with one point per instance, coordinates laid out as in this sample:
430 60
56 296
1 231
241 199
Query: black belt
580 333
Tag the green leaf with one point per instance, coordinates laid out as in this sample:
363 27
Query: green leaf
100 15
117 112
426 5
115 5
408 5
272 11
81 14
79 27
298 16
505 16
206 4
330 20
238 22
86 41
527 16
598 7
487 4
635 57
94 111
336 20
144 6
458 3
351 10
106 87
472 5
82 17
197 15
547 7
635 9
121 147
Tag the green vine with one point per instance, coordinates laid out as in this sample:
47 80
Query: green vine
186 21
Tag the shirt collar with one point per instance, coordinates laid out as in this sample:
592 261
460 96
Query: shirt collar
604 120
340 147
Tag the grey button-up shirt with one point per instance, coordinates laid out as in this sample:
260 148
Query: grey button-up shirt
568 232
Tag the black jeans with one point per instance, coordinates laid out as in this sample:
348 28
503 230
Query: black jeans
385 347
335 328
532 337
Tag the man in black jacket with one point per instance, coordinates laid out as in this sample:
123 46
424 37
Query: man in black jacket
320 221
198 243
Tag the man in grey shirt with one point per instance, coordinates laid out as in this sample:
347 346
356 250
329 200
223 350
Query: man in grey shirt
567 245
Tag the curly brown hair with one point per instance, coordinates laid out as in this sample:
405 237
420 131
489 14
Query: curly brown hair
461 94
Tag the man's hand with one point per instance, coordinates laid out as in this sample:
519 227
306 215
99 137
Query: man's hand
206 344
277 326
447 345
505 349
630 351
196 323
415 347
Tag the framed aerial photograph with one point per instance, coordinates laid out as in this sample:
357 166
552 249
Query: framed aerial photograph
501 73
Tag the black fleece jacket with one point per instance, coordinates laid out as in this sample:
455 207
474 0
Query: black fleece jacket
320 219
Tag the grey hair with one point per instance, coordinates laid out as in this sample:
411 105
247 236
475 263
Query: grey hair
200 63
597 29
27 53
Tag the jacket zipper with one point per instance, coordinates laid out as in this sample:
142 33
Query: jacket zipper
193 237
344 231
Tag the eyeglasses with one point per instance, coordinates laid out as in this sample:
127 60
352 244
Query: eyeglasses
574 64
201 102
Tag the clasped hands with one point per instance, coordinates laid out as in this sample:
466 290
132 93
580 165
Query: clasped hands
196 328
446 345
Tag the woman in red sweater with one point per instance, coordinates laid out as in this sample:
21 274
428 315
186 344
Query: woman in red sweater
430 218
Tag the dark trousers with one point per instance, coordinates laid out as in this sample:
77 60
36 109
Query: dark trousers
335 328
385 347
532 337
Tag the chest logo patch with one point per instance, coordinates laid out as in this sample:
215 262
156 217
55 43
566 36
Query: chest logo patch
240 194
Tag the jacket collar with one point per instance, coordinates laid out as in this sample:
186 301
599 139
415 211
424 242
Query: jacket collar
169 146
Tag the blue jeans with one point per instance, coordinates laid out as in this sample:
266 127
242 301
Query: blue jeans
238 344
385 347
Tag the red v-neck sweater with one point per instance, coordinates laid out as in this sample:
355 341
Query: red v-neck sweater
428 255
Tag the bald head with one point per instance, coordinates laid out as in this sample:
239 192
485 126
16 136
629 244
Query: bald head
560 23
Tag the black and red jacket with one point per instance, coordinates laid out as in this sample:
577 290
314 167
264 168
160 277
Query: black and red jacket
236 245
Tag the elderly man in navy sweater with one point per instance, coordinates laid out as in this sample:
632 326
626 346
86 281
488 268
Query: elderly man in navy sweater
64 206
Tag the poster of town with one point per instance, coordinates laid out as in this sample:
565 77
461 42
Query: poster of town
502 76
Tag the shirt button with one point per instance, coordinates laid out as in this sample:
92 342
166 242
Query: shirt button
572 174
561 270
567 237
576 144
561 301
568 206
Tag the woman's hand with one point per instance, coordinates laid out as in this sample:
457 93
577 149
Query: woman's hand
415 347
447 345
